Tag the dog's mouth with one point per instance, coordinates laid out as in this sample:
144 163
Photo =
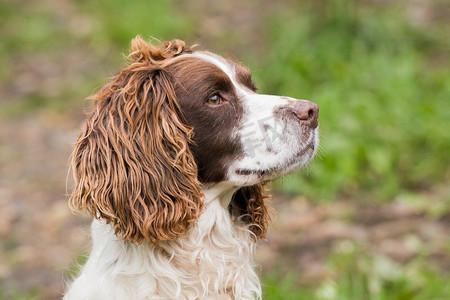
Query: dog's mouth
294 160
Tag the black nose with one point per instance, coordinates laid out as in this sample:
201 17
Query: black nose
307 112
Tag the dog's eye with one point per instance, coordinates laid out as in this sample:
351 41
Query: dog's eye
215 100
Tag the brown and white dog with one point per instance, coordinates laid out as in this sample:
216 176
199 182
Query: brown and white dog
171 163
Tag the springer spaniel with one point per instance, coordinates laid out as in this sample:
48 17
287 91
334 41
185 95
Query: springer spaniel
172 163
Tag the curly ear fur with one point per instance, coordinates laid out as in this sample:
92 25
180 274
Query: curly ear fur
132 163
248 205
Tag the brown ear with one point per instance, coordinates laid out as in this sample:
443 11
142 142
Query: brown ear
248 204
132 163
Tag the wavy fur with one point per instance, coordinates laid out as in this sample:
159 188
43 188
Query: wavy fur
178 203
214 260
132 162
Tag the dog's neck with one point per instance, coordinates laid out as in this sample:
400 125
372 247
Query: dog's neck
221 192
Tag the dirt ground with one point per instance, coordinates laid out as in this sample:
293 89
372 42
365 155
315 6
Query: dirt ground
40 237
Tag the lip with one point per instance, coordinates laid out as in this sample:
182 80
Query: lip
291 161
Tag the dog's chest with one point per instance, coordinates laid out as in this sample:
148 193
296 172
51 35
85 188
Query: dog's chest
215 258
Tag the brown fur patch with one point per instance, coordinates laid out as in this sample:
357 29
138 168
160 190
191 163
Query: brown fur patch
150 140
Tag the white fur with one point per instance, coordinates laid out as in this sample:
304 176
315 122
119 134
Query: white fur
212 259
274 149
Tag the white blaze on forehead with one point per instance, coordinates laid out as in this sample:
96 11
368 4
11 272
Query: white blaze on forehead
225 66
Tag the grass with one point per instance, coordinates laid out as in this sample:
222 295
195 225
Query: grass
383 87
15 294
382 83
88 32
357 275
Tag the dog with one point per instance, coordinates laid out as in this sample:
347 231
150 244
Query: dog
171 163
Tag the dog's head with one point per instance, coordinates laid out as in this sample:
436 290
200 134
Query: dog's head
175 119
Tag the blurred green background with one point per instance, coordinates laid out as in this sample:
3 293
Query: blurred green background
368 219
